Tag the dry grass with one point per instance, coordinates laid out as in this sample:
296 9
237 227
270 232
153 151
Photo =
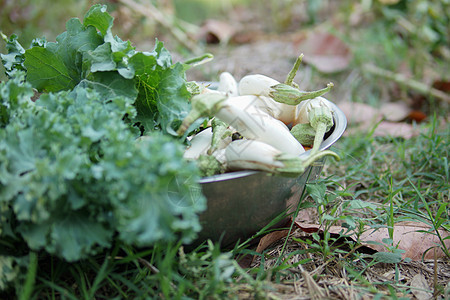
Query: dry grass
329 277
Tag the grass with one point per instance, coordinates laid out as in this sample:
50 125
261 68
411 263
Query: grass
391 186
379 182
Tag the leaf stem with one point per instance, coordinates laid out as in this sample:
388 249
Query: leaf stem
199 59
30 277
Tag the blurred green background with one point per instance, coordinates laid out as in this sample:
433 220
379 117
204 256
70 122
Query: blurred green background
411 35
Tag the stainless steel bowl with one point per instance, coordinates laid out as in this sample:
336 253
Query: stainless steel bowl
241 203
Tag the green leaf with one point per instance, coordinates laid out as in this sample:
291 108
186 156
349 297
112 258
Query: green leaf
46 70
98 17
110 85
163 99
173 104
163 56
9 270
76 235
360 204
14 97
72 236
388 257
100 59
58 66
316 191
73 44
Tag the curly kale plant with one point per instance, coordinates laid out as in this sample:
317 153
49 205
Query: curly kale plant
73 176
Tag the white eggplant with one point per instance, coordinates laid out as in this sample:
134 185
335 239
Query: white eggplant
319 115
211 91
249 121
261 85
251 155
260 103
228 84
304 108
256 155
200 143
256 84
254 124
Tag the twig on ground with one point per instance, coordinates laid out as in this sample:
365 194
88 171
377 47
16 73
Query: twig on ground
408 82
167 22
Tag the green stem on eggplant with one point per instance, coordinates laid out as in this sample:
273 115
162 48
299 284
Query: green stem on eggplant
290 78
287 94
220 131
321 119
203 105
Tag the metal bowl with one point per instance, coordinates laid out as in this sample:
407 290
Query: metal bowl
241 203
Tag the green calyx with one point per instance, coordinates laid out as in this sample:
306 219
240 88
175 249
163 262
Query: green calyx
203 105
209 165
295 166
321 120
220 131
304 133
288 94
321 114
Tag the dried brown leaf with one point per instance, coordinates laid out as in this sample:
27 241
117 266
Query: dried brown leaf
271 238
216 31
393 129
442 85
417 116
395 111
325 51
407 236
359 113
364 117
420 287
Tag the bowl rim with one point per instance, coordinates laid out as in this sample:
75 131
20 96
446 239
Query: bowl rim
340 124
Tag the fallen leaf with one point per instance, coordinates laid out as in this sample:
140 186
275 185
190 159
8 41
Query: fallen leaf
308 228
245 261
393 129
326 52
407 236
363 117
309 214
216 31
271 238
357 113
395 111
442 85
416 116
420 288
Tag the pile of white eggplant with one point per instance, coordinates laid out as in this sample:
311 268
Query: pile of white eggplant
257 123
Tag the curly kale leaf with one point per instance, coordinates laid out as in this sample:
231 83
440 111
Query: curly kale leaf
73 176
15 57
